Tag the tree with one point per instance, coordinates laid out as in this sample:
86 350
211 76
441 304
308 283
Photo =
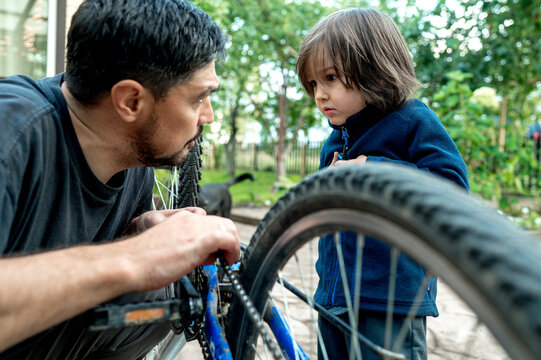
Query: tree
236 73
260 70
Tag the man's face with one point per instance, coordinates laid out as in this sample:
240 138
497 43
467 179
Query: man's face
177 120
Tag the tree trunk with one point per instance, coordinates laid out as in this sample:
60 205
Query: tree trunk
303 159
503 120
230 156
212 158
290 145
282 113
231 147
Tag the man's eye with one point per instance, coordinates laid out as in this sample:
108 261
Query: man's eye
200 101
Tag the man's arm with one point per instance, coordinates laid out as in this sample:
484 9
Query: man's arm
42 290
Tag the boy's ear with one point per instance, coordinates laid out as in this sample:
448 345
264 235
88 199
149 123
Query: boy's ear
129 98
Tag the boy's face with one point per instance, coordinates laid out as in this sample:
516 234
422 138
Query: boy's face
333 98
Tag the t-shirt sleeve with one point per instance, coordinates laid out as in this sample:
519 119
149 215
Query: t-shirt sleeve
7 206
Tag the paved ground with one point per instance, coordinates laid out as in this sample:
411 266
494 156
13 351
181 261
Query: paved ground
447 334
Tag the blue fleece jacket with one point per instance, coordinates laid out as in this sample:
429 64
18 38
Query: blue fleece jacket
411 135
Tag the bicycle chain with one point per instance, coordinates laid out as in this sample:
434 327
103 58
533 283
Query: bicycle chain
250 309
203 343
199 280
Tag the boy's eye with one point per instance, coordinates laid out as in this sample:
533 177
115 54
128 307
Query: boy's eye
331 77
313 84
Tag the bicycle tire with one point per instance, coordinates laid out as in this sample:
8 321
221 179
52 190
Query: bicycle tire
181 189
178 186
189 177
467 241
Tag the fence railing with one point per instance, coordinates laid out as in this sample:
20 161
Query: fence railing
302 159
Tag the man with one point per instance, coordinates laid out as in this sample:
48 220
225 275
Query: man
73 176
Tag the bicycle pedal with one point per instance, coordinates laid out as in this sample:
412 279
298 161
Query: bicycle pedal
113 316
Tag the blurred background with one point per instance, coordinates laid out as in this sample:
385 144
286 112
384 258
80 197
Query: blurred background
479 62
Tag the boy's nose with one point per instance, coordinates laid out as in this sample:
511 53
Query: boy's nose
320 93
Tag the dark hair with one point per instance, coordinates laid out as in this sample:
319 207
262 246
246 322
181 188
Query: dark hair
368 53
159 43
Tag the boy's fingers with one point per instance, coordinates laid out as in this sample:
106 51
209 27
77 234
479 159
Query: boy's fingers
334 159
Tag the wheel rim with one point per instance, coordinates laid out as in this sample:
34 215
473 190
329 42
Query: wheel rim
330 220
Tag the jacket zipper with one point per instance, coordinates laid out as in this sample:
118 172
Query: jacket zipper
345 136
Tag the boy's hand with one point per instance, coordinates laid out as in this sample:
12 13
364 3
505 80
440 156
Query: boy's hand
361 159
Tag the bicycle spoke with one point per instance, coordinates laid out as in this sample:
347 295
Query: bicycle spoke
412 312
174 186
311 305
390 298
159 186
168 190
356 347
286 307
314 323
358 277
257 353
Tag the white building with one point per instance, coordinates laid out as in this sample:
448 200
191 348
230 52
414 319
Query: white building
32 36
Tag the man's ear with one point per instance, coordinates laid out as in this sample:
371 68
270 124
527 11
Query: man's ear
129 98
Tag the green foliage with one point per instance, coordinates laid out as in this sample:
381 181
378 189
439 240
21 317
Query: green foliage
265 37
262 191
495 175
457 47
528 219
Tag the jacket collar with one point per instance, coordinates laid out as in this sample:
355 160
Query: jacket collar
362 120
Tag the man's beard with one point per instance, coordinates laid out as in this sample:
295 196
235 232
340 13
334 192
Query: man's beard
146 151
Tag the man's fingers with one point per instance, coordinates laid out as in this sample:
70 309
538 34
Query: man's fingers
230 240
192 209
195 210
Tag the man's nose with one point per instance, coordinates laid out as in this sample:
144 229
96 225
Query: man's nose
206 115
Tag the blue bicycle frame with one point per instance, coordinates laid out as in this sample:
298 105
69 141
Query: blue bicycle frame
219 348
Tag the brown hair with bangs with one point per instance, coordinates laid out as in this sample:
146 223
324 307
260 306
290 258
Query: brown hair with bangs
368 53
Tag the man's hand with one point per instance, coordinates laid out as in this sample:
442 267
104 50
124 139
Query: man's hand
361 159
151 218
174 243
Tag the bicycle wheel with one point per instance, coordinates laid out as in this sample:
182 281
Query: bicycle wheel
491 265
178 186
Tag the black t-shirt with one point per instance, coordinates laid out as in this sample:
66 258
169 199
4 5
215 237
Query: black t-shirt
49 197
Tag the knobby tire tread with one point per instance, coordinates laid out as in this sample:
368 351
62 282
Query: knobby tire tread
499 258
189 177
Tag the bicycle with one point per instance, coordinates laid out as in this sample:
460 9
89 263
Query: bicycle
453 236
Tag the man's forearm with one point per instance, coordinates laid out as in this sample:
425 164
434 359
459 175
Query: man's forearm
39 291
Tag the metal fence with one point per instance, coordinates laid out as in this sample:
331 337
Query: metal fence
302 159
